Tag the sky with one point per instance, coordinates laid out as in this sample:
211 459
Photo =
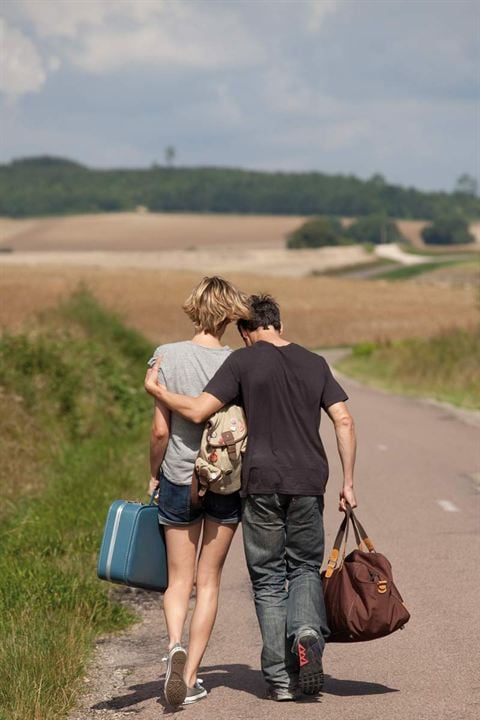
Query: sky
336 86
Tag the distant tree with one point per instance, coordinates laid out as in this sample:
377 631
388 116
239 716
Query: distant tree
170 154
449 229
378 180
374 229
317 232
466 185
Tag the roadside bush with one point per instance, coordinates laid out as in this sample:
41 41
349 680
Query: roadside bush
75 386
317 232
374 229
448 230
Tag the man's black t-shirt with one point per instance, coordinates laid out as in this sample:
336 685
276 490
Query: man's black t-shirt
282 389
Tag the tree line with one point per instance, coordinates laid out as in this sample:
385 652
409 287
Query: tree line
450 229
56 186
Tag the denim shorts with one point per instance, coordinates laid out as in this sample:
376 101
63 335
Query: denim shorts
175 506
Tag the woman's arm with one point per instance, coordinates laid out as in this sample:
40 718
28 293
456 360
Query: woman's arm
195 409
159 436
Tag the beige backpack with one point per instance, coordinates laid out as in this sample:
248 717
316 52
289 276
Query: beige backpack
218 466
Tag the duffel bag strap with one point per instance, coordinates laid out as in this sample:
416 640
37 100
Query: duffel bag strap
360 531
360 537
335 551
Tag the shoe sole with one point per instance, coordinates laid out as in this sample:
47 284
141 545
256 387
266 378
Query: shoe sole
175 686
310 678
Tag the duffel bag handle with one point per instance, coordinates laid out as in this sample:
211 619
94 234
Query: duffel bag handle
360 536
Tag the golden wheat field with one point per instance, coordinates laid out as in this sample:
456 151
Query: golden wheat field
317 312
143 265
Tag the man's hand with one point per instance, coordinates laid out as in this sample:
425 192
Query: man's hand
153 485
347 495
151 384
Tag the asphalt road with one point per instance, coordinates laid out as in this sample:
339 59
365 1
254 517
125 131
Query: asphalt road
418 488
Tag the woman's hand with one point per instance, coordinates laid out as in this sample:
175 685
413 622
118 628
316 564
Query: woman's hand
153 485
151 384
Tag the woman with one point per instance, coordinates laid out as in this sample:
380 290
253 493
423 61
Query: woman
186 368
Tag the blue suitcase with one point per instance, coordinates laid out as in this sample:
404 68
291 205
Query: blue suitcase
133 547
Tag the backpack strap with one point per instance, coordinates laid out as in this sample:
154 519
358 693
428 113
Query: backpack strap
230 443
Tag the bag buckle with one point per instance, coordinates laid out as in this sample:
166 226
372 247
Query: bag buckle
382 586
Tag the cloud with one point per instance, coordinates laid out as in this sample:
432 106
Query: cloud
102 37
318 11
326 84
22 70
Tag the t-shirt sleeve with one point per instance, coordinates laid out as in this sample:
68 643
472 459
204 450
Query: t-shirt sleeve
162 352
332 390
225 384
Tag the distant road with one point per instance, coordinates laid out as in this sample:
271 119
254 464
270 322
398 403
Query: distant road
391 251
418 488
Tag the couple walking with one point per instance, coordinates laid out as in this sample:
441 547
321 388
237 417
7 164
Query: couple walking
282 388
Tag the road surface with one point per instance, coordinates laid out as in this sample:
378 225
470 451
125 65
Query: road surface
419 496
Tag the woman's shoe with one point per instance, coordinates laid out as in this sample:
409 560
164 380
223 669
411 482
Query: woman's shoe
281 694
196 693
175 688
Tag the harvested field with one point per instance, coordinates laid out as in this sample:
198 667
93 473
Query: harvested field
146 231
273 261
317 311
168 231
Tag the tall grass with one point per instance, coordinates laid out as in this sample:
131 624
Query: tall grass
445 367
80 381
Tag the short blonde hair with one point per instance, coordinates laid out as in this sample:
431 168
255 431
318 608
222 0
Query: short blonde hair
214 302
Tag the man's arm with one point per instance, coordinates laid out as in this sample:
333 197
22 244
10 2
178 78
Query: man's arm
347 446
159 436
196 409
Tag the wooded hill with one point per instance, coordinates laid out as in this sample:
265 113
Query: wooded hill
56 186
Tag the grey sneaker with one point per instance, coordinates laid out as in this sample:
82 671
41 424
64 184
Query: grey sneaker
281 694
310 677
175 688
196 693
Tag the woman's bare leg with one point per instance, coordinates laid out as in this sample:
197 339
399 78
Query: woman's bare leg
182 544
216 542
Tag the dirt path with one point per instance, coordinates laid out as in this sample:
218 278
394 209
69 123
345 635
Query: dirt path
419 496
270 261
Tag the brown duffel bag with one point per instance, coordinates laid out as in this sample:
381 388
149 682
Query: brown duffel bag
361 599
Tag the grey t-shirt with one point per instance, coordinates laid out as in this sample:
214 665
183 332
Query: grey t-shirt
186 369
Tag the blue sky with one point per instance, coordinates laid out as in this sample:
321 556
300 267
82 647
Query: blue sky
338 86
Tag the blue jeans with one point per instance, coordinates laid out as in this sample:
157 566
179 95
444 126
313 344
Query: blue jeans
284 545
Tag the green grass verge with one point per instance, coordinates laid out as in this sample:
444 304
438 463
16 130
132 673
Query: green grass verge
445 367
353 268
441 251
81 380
410 271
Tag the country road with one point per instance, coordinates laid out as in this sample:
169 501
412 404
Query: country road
419 494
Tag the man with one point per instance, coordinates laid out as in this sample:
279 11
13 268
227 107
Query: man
282 387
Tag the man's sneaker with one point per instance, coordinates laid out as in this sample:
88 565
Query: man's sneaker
196 693
310 678
175 688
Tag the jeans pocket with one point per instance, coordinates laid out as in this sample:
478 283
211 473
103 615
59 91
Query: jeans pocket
175 498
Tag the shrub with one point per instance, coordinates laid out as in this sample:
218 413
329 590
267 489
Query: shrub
374 229
448 230
317 232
